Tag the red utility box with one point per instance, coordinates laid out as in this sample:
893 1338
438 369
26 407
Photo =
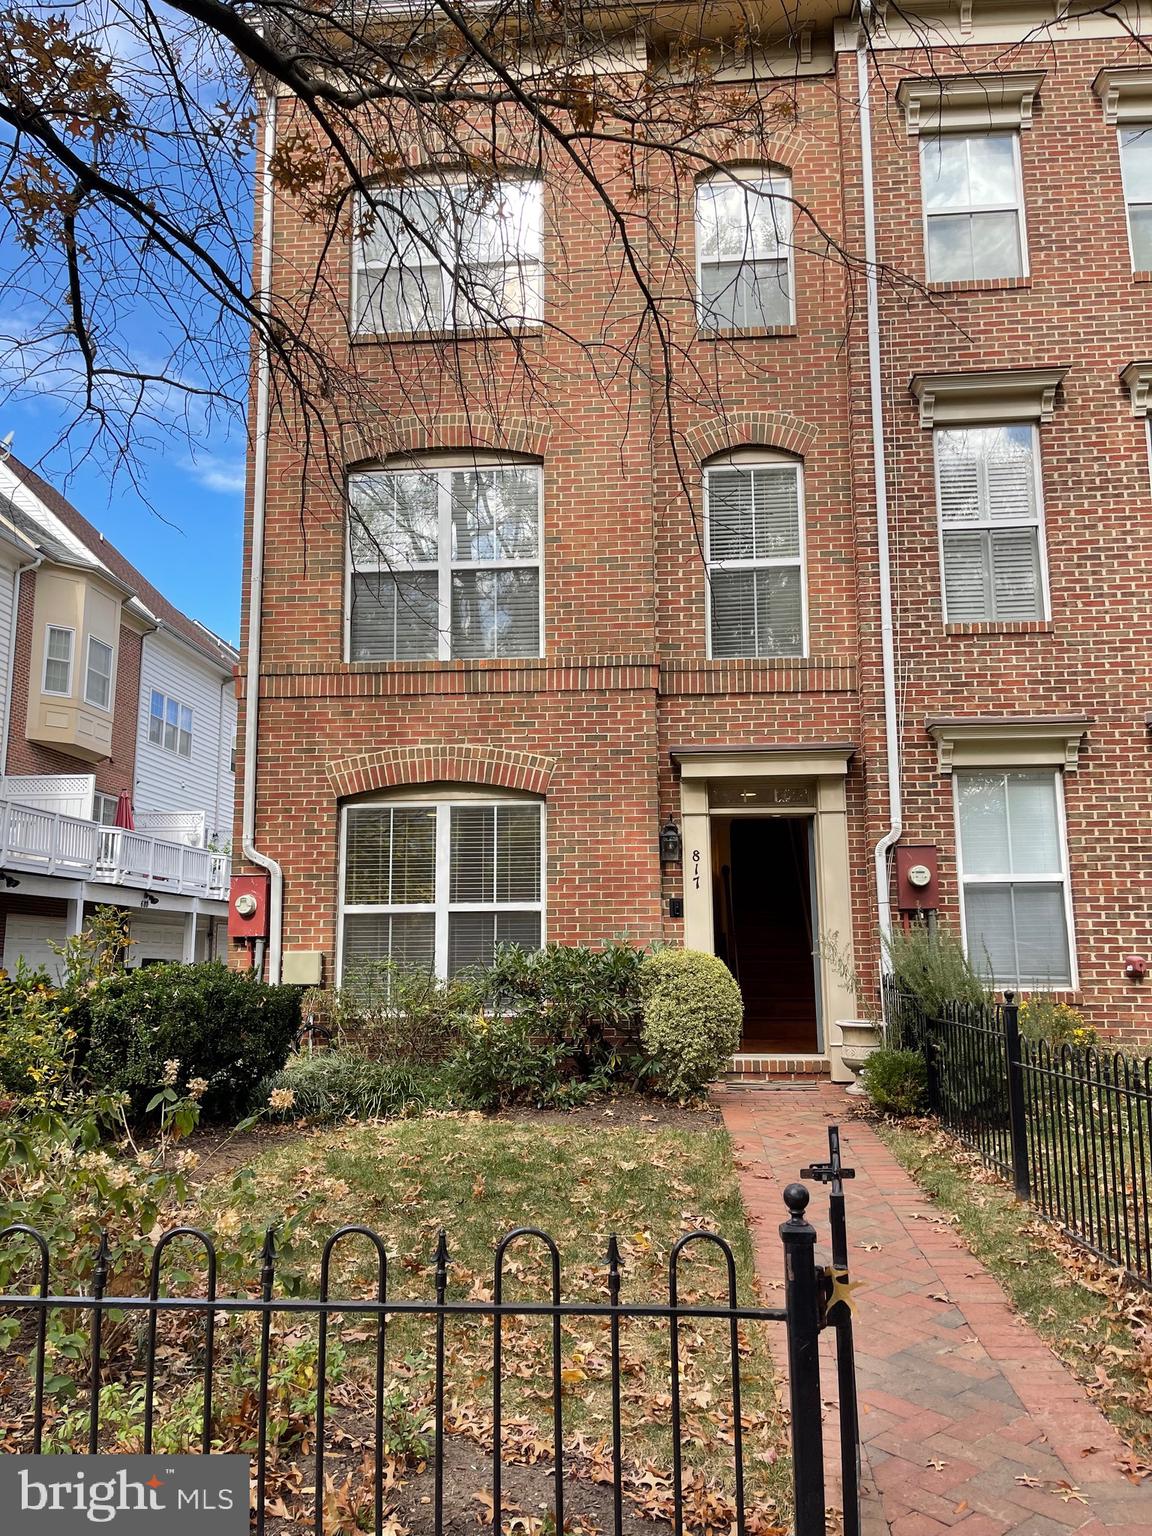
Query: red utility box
917 877
248 907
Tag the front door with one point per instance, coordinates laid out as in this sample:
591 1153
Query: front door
764 927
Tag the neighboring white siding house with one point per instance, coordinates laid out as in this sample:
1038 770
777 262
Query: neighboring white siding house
186 734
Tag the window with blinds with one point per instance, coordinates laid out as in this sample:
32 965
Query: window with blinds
438 886
1136 164
433 256
973 206
744 252
1014 878
988 491
444 563
755 546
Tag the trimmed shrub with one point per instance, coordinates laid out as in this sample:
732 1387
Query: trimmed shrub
220 1025
500 1061
897 1081
693 1013
334 1085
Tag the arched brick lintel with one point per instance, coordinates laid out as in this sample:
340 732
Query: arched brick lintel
444 430
751 429
398 766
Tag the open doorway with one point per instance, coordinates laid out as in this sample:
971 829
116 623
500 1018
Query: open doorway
765 927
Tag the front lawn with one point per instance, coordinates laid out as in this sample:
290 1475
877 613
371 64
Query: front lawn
478 1178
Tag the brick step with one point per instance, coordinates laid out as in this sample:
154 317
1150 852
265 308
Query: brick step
752 1070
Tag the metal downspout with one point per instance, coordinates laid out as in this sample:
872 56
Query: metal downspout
880 475
256 576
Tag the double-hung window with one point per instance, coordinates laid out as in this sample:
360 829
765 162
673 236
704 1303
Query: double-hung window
444 562
743 251
1014 880
755 543
991 522
436 886
444 255
973 206
98 677
170 724
58 644
1136 164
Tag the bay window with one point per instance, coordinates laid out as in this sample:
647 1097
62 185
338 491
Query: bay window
1013 875
58 643
755 549
440 255
444 562
98 677
436 885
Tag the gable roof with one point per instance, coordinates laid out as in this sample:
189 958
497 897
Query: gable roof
88 547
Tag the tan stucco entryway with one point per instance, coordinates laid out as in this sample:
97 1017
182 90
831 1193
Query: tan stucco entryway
806 781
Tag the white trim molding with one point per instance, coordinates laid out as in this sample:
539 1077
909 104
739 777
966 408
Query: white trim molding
1137 380
1125 94
1021 394
944 104
1042 741
809 761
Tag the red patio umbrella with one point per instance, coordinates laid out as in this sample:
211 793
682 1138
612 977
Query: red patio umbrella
124 817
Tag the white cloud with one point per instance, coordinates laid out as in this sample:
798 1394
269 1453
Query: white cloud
225 475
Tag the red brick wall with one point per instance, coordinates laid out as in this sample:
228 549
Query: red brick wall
24 756
625 676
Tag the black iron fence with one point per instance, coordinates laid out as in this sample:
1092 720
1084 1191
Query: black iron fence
1069 1126
811 1305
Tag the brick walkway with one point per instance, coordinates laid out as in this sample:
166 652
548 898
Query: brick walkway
947 1372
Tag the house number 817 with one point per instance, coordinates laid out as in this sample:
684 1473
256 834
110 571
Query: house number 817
696 868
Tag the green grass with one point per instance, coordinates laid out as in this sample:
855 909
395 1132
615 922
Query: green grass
478 1178
1100 1326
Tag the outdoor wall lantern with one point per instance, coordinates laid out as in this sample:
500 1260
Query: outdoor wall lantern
670 845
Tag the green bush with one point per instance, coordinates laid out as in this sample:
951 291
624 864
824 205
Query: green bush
221 1026
500 1062
693 1013
37 1038
930 965
335 1085
401 1015
897 1081
1043 1018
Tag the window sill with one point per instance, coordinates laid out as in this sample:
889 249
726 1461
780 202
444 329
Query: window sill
981 285
993 627
1142 277
756 333
479 333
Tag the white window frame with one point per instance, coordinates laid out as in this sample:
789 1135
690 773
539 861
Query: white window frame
448 285
753 458
59 629
105 704
442 907
986 525
181 710
960 209
1121 129
99 799
442 466
778 184
1064 879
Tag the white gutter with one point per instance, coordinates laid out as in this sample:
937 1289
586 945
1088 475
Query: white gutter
256 577
6 725
880 475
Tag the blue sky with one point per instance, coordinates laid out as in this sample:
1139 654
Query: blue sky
186 537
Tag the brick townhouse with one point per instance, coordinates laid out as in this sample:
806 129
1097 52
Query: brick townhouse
854 623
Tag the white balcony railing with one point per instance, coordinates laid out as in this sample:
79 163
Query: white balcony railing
49 843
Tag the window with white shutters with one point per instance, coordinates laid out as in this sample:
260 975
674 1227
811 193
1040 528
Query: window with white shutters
444 562
973 206
1017 919
744 251
1136 163
755 544
437 886
445 255
991 520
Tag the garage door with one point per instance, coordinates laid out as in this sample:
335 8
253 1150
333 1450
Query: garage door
31 938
